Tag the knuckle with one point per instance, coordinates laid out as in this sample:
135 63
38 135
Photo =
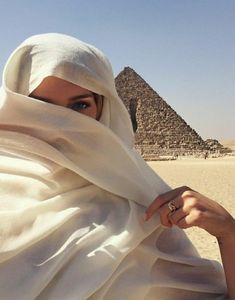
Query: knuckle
198 217
164 220
185 188
187 194
181 224
192 202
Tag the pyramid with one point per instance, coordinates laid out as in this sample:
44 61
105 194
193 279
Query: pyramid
159 130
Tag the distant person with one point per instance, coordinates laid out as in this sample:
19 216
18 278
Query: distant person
82 215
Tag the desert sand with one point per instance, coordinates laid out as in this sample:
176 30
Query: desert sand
230 144
215 178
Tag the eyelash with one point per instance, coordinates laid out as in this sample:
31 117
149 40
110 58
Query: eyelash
82 104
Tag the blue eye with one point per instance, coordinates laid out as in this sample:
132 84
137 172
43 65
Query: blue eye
79 105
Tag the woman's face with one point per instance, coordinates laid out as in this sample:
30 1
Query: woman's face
61 92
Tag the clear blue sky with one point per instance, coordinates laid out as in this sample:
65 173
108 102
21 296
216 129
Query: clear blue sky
185 49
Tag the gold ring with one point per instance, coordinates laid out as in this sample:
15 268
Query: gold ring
172 206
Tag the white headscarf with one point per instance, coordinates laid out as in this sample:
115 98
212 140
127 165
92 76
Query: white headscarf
73 192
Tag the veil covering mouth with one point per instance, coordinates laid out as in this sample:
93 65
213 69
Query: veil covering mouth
73 192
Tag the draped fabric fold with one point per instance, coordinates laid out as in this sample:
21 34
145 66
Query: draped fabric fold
73 192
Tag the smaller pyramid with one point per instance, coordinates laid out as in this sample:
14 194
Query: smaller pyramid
159 130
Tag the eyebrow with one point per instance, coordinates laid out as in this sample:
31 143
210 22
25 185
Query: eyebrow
41 98
77 97
81 96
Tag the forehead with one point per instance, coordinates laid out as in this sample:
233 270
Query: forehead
56 87
56 83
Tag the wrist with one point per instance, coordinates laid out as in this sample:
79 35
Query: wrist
228 235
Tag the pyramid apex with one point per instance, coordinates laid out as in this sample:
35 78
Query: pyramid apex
126 70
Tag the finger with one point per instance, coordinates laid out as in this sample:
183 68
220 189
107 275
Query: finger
166 214
191 219
165 221
178 215
187 206
162 200
176 202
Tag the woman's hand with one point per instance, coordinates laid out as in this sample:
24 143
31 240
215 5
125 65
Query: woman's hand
185 208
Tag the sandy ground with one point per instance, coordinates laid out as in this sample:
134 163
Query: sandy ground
229 144
214 178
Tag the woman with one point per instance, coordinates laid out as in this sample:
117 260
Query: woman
74 191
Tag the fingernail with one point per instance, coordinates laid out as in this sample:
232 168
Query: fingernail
145 217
